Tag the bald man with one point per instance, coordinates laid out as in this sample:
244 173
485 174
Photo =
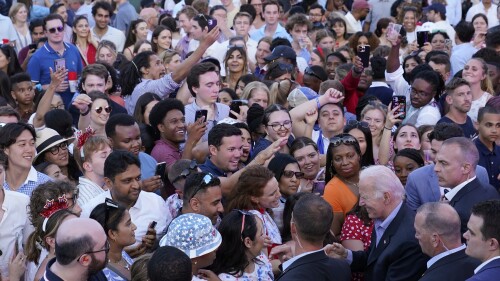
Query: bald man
81 252
150 15
437 229
394 253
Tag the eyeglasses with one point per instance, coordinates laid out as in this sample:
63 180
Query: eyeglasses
185 173
336 141
290 174
55 149
105 249
244 214
208 180
54 29
110 204
422 94
277 126
100 109
73 199
59 106
356 123
309 71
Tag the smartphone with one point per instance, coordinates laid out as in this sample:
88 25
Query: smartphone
364 54
60 64
200 113
152 224
211 24
235 106
32 46
422 38
399 100
319 187
160 170
448 43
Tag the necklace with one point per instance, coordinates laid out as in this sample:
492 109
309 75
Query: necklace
121 263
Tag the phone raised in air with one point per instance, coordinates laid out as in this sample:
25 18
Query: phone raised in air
199 113
399 100
364 54
422 38
235 106
211 24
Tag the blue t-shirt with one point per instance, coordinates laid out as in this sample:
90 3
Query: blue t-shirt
43 59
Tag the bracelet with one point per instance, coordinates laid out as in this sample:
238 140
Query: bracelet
390 129
317 103
86 113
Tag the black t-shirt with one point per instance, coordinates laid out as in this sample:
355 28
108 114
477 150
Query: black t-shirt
468 128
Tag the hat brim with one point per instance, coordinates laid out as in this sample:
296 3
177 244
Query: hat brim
52 145
208 248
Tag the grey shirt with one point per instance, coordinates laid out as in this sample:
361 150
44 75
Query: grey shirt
221 112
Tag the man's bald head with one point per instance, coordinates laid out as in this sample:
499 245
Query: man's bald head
76 237
150 15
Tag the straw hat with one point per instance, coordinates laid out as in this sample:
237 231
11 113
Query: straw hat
46 139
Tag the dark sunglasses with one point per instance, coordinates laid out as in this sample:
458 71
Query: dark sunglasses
100 109
348 140
290 174
282 66
208 180
356 123
186 172
55 149
54 29
309 71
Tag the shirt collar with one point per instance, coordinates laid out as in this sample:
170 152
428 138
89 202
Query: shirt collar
484 150
292 260
484 264
50 50
444 254
49 275
385 223
457 188
211 166
32 175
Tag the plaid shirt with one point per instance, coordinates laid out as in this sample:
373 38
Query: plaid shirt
33 180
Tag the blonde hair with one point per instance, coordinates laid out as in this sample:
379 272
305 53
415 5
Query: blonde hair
257 85
167 55
280 91
92 145
375 105
486 84
15 9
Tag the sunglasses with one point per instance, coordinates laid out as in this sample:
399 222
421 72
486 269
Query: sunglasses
100 109
54 29
186 172
348 140
309 71
208 180
55 149
290 174
235 46
282 66
356 123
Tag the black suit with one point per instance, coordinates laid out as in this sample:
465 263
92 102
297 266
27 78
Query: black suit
398 255
471 194
317 266
455 267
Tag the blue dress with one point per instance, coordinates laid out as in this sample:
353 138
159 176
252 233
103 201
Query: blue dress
113 276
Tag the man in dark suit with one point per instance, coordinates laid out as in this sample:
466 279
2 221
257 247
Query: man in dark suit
437 228
455 168
422 184
308 231
483 239
394 253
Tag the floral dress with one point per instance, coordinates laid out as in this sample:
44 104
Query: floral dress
113 276
263 272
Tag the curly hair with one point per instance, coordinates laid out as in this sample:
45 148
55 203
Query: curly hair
373 41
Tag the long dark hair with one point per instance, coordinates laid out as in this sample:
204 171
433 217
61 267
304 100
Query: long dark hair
13 67
75 22
330 171
231 254
130 73
367 158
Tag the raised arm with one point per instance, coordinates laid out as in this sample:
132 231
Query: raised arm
180 72
385 140
56 78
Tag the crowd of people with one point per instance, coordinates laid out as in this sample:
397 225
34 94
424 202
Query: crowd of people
249 140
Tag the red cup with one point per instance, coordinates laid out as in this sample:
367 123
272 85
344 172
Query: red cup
72 75
5 41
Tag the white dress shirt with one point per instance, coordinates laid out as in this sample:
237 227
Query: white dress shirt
149 207
479 8
434 259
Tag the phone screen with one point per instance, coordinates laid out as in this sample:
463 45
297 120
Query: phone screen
399 100
422 38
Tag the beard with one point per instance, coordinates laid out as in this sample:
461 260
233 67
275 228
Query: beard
96 265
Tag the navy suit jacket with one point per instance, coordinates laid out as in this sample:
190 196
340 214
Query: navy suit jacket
471 194
455 267
398 255
318 267
422 185
490 272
